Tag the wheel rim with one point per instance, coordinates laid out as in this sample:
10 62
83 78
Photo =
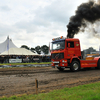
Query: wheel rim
75 66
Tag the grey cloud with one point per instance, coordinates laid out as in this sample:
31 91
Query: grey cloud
5 8
46 17
28 26
6 30
56 12
55 34
41 22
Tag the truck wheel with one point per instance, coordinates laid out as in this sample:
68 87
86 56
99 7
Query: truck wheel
75 66
61 69
98 64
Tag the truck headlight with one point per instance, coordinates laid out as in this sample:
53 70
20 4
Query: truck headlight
64 61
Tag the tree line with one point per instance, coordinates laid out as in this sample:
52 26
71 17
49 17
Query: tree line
90 50
38 49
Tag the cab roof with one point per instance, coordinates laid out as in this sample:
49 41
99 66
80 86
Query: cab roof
67 39
72 39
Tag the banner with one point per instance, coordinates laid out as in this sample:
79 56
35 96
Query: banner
15 60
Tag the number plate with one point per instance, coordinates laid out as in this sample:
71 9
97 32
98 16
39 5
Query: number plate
56 65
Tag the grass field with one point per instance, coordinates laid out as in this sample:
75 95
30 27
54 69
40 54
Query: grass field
24 63
82 92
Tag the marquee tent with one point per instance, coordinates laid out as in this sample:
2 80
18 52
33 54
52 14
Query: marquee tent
6 45
18 51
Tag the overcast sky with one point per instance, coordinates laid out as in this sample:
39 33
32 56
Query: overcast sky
36 22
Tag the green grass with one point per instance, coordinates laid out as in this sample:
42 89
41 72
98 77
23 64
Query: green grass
82 92
24 63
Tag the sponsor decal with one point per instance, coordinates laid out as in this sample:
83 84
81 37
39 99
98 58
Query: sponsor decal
87 63
70 51
77 44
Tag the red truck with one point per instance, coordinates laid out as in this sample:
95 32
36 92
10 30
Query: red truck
66 53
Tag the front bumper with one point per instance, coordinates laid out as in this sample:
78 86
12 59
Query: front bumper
61 63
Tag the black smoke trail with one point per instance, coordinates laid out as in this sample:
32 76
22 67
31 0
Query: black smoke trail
89 11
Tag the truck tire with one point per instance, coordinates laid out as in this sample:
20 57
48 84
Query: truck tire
60 69
75 66
98 64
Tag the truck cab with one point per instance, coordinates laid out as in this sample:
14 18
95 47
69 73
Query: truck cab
66 53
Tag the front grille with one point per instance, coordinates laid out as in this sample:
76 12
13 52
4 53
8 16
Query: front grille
57 55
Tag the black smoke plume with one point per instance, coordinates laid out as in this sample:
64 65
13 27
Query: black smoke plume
86 12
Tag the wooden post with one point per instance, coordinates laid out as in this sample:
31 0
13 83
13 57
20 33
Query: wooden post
36 84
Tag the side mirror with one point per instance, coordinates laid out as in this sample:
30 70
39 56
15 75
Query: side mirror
68 45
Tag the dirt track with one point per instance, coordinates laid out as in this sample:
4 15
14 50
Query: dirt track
22 80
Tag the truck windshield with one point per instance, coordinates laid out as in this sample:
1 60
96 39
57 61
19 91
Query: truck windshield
58 45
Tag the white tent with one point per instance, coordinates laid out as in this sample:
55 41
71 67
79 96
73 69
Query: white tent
18 51
6 45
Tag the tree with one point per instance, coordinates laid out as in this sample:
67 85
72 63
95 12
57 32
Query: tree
89 50
45 49
24 46
33 50
38 49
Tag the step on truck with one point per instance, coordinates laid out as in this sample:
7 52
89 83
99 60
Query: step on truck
66 53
